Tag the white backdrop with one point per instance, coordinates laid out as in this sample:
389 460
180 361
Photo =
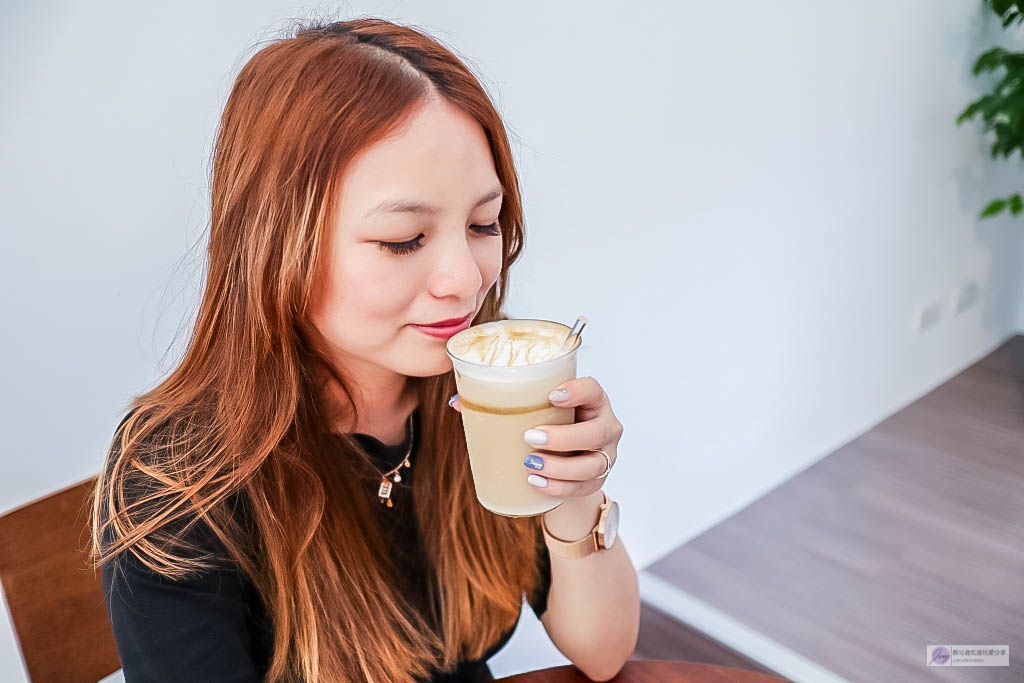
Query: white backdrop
775 189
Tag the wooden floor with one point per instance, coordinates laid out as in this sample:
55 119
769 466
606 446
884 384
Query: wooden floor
661 637
911 534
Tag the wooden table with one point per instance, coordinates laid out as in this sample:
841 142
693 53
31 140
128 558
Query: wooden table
650 671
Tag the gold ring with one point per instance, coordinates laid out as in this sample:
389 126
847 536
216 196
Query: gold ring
607 459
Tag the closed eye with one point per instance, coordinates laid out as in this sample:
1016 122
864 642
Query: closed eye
409 246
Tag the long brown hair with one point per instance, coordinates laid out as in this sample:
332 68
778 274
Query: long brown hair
242 420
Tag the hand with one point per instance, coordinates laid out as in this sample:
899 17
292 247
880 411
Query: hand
595 427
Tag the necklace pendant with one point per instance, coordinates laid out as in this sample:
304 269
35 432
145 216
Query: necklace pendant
384 492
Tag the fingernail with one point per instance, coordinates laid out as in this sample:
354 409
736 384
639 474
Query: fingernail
537 480
535 437
558 395
451 401
534 461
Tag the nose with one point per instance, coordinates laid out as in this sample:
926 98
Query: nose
457 271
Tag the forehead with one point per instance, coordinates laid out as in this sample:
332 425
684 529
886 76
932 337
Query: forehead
439 155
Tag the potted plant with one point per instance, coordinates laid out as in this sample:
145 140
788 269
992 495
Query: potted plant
1002 110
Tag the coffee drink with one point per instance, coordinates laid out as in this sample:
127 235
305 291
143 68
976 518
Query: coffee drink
504 371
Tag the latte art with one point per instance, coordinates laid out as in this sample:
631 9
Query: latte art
507 345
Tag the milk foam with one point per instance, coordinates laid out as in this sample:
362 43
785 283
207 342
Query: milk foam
509 345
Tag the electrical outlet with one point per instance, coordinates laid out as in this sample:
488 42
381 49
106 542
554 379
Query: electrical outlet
928 316
966 297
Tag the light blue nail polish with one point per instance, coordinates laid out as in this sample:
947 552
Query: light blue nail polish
451 401
535 436
558 395
537 480
534 461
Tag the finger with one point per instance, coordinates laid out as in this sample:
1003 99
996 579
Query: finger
582 467
583 393
560 488
455 403
579 436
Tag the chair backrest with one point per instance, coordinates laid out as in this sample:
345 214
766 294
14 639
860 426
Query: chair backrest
55 599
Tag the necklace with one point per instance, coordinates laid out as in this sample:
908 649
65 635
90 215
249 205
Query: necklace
384 492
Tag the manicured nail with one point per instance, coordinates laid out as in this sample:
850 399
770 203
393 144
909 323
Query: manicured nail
558 395
535 437
451 401
537 480
534 461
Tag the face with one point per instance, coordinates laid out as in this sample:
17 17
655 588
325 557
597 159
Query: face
415 241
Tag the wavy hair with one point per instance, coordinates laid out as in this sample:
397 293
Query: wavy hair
241 424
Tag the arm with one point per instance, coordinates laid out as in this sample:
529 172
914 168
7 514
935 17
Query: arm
195 629
593 607
593 604
179 630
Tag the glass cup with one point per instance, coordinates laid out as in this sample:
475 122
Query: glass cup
499 403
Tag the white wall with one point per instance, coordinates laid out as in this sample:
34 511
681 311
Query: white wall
772 189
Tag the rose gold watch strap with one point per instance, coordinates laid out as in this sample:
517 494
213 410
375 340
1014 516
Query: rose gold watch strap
573 549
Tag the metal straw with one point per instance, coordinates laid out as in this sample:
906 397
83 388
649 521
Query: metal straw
577 328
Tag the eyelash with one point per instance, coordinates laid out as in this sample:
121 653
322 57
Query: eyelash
400 248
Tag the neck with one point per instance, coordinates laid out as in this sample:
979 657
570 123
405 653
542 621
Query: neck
383 408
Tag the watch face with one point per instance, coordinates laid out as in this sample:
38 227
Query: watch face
611 525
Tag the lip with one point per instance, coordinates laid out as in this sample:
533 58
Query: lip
450 322
446 330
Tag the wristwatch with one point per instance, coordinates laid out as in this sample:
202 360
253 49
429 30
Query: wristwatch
601 537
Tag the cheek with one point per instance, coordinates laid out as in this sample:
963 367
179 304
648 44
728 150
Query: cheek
362 295
368 293
490 264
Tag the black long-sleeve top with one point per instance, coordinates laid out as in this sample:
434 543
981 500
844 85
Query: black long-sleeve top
214 628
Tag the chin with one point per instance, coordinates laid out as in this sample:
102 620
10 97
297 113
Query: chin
426 365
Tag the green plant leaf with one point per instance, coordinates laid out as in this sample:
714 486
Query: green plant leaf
968 113
989 60
994 207
1016 204
986 106
1000 7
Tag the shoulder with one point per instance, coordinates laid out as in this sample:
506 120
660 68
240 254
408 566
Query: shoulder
134 437
146 512
182 547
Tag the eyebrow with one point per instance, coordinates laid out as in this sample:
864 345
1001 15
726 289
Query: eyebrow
407 206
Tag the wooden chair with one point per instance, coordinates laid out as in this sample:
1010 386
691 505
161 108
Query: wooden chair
55 599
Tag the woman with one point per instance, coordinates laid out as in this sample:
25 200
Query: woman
362 185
